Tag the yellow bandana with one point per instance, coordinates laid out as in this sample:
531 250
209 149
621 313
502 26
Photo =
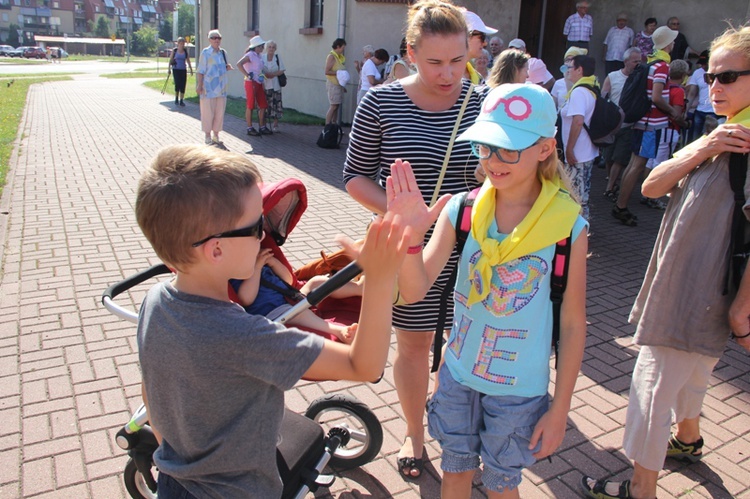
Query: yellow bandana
474 76
742 118
659 55
339 57
585 80
550 220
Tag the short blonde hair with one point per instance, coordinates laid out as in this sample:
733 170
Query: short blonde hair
434 17
734 40
189 192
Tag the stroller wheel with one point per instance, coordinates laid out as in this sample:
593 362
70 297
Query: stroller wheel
135 483
348 413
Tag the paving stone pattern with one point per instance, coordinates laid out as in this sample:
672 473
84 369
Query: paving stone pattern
69 374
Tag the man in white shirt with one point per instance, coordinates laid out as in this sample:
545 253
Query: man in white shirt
619 38
580 152
617 155
699 104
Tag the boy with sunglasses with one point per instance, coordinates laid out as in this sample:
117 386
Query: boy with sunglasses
214 376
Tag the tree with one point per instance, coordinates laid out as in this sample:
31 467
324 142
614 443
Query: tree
144 41
186 20
13 35
102 28
165 31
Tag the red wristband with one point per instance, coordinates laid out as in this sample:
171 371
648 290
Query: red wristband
413 250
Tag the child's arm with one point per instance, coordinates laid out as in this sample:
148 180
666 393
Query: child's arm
381 256
551 427
280 269
248 291
405 200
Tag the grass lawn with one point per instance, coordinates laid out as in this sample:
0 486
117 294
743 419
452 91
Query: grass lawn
12 102
235 107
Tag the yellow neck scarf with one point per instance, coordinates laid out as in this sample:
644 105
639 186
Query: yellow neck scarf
474 76
585 80
742 118
339 57
550 220
659 55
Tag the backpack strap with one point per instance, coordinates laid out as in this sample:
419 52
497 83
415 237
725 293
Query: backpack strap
560 265
288 291
463 227
597 93
224 55
738 248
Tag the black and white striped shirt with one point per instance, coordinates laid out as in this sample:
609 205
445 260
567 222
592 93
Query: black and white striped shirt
389 126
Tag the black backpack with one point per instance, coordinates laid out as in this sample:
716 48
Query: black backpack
558 284
606 120
331 136
634 99
739 246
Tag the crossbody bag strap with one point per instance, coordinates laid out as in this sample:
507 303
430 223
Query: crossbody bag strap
450 145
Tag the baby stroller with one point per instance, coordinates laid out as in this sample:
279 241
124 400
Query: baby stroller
336 429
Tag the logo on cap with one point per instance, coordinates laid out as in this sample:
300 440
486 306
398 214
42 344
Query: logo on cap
517 108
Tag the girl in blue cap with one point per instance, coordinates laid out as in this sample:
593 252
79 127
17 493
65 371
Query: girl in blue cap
492 402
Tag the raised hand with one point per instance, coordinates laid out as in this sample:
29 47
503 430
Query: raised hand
404 199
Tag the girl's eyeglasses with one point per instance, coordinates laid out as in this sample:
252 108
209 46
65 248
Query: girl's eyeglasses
724 78
254 230
507 156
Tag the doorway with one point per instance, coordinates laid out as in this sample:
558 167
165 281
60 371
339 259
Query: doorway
541 27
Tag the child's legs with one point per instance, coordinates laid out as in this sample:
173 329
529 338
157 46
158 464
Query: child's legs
660 378
454 419
349 289
457 485
505 435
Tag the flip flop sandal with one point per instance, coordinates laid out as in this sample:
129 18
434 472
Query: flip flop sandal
407 464
599 490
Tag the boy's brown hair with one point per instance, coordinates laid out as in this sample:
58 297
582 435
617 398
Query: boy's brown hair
189 192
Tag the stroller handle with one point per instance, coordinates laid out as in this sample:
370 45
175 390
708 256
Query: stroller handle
316 296
120 287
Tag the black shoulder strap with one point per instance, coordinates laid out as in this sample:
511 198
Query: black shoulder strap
737 176
560 265
288 290
463 227
224 55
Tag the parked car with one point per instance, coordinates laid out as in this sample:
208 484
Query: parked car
17 52
34 53
5 49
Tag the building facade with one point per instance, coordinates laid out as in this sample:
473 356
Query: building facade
305 29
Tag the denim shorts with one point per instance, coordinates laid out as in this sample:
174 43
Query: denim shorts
469 425
169 488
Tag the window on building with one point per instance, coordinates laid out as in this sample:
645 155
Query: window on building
5 17
55 5
253 15
316 13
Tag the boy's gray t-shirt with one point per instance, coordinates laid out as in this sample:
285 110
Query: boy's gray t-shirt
215 378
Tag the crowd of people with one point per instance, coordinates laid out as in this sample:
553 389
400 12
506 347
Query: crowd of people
456 112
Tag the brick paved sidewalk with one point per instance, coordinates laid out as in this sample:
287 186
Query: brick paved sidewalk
68 369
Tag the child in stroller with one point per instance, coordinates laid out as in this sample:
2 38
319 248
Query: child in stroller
267 293
213 376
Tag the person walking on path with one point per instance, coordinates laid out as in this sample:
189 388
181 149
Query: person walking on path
420 113
335 63
684 319
211 85
251 67
579 27
179 62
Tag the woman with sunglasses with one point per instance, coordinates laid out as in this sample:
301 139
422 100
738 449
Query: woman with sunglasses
478 32
683 319
413 119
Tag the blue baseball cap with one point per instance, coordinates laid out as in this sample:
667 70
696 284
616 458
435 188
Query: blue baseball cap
513 116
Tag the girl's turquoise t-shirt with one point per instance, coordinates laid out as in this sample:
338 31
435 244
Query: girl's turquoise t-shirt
501 345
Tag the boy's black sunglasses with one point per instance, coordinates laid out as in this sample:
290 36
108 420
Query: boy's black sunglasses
254 230
724 78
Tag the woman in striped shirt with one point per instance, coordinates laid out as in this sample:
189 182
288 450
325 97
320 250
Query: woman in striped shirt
413 119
